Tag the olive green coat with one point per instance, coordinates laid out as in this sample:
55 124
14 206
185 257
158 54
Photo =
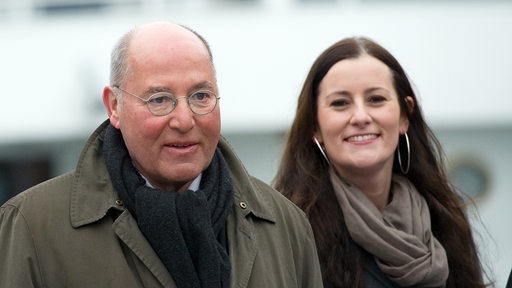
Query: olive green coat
73 231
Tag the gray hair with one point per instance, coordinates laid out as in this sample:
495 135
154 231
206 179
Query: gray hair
118 59
119 67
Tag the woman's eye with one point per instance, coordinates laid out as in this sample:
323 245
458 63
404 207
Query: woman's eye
376 99
339 103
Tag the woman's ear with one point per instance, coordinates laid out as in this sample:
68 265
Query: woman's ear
111 103
317 137
404 121
409 103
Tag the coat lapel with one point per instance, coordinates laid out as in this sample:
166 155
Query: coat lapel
127 230
241 237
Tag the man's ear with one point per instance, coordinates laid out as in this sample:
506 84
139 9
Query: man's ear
112 104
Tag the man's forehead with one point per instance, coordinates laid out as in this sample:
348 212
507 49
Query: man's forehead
169 33
165 39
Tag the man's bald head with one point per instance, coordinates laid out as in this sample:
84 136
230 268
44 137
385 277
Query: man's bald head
148 35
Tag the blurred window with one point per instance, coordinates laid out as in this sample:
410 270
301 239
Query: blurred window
431 1
318 1
235 1
55 7
18 175
470 176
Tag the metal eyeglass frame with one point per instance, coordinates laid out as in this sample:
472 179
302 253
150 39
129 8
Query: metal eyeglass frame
174 102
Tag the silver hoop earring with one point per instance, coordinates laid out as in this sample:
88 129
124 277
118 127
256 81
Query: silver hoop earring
321 150
406 170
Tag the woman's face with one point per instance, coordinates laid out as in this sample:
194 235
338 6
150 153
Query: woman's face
359 117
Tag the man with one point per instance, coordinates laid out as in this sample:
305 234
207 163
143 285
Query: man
158 198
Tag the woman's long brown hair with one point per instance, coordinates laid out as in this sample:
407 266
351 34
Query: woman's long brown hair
303 178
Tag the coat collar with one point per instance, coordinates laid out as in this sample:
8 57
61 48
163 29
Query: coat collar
92 193
249 194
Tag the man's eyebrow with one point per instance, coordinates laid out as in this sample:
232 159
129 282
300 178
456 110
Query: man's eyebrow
203 85
152 90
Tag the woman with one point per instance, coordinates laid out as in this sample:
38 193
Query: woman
362 163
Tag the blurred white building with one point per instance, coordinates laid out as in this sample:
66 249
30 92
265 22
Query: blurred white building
54 62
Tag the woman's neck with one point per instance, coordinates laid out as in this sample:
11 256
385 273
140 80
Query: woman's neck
376 186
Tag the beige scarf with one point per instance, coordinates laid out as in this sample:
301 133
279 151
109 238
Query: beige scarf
399 237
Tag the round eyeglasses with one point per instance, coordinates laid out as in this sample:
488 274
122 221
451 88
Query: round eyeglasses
200 102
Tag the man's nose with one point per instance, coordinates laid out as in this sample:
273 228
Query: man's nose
182 118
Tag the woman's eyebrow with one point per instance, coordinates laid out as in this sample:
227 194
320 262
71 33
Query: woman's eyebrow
373 89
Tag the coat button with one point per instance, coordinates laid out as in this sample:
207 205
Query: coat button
119 202
243 205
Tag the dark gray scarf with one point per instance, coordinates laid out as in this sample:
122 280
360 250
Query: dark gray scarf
189 239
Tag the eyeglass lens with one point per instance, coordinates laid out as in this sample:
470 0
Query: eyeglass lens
200 102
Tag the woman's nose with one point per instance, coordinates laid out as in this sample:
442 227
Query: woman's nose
360 115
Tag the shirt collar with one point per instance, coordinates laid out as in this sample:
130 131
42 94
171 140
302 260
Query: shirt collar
194 186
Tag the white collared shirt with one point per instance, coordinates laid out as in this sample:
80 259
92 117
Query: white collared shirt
194 186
